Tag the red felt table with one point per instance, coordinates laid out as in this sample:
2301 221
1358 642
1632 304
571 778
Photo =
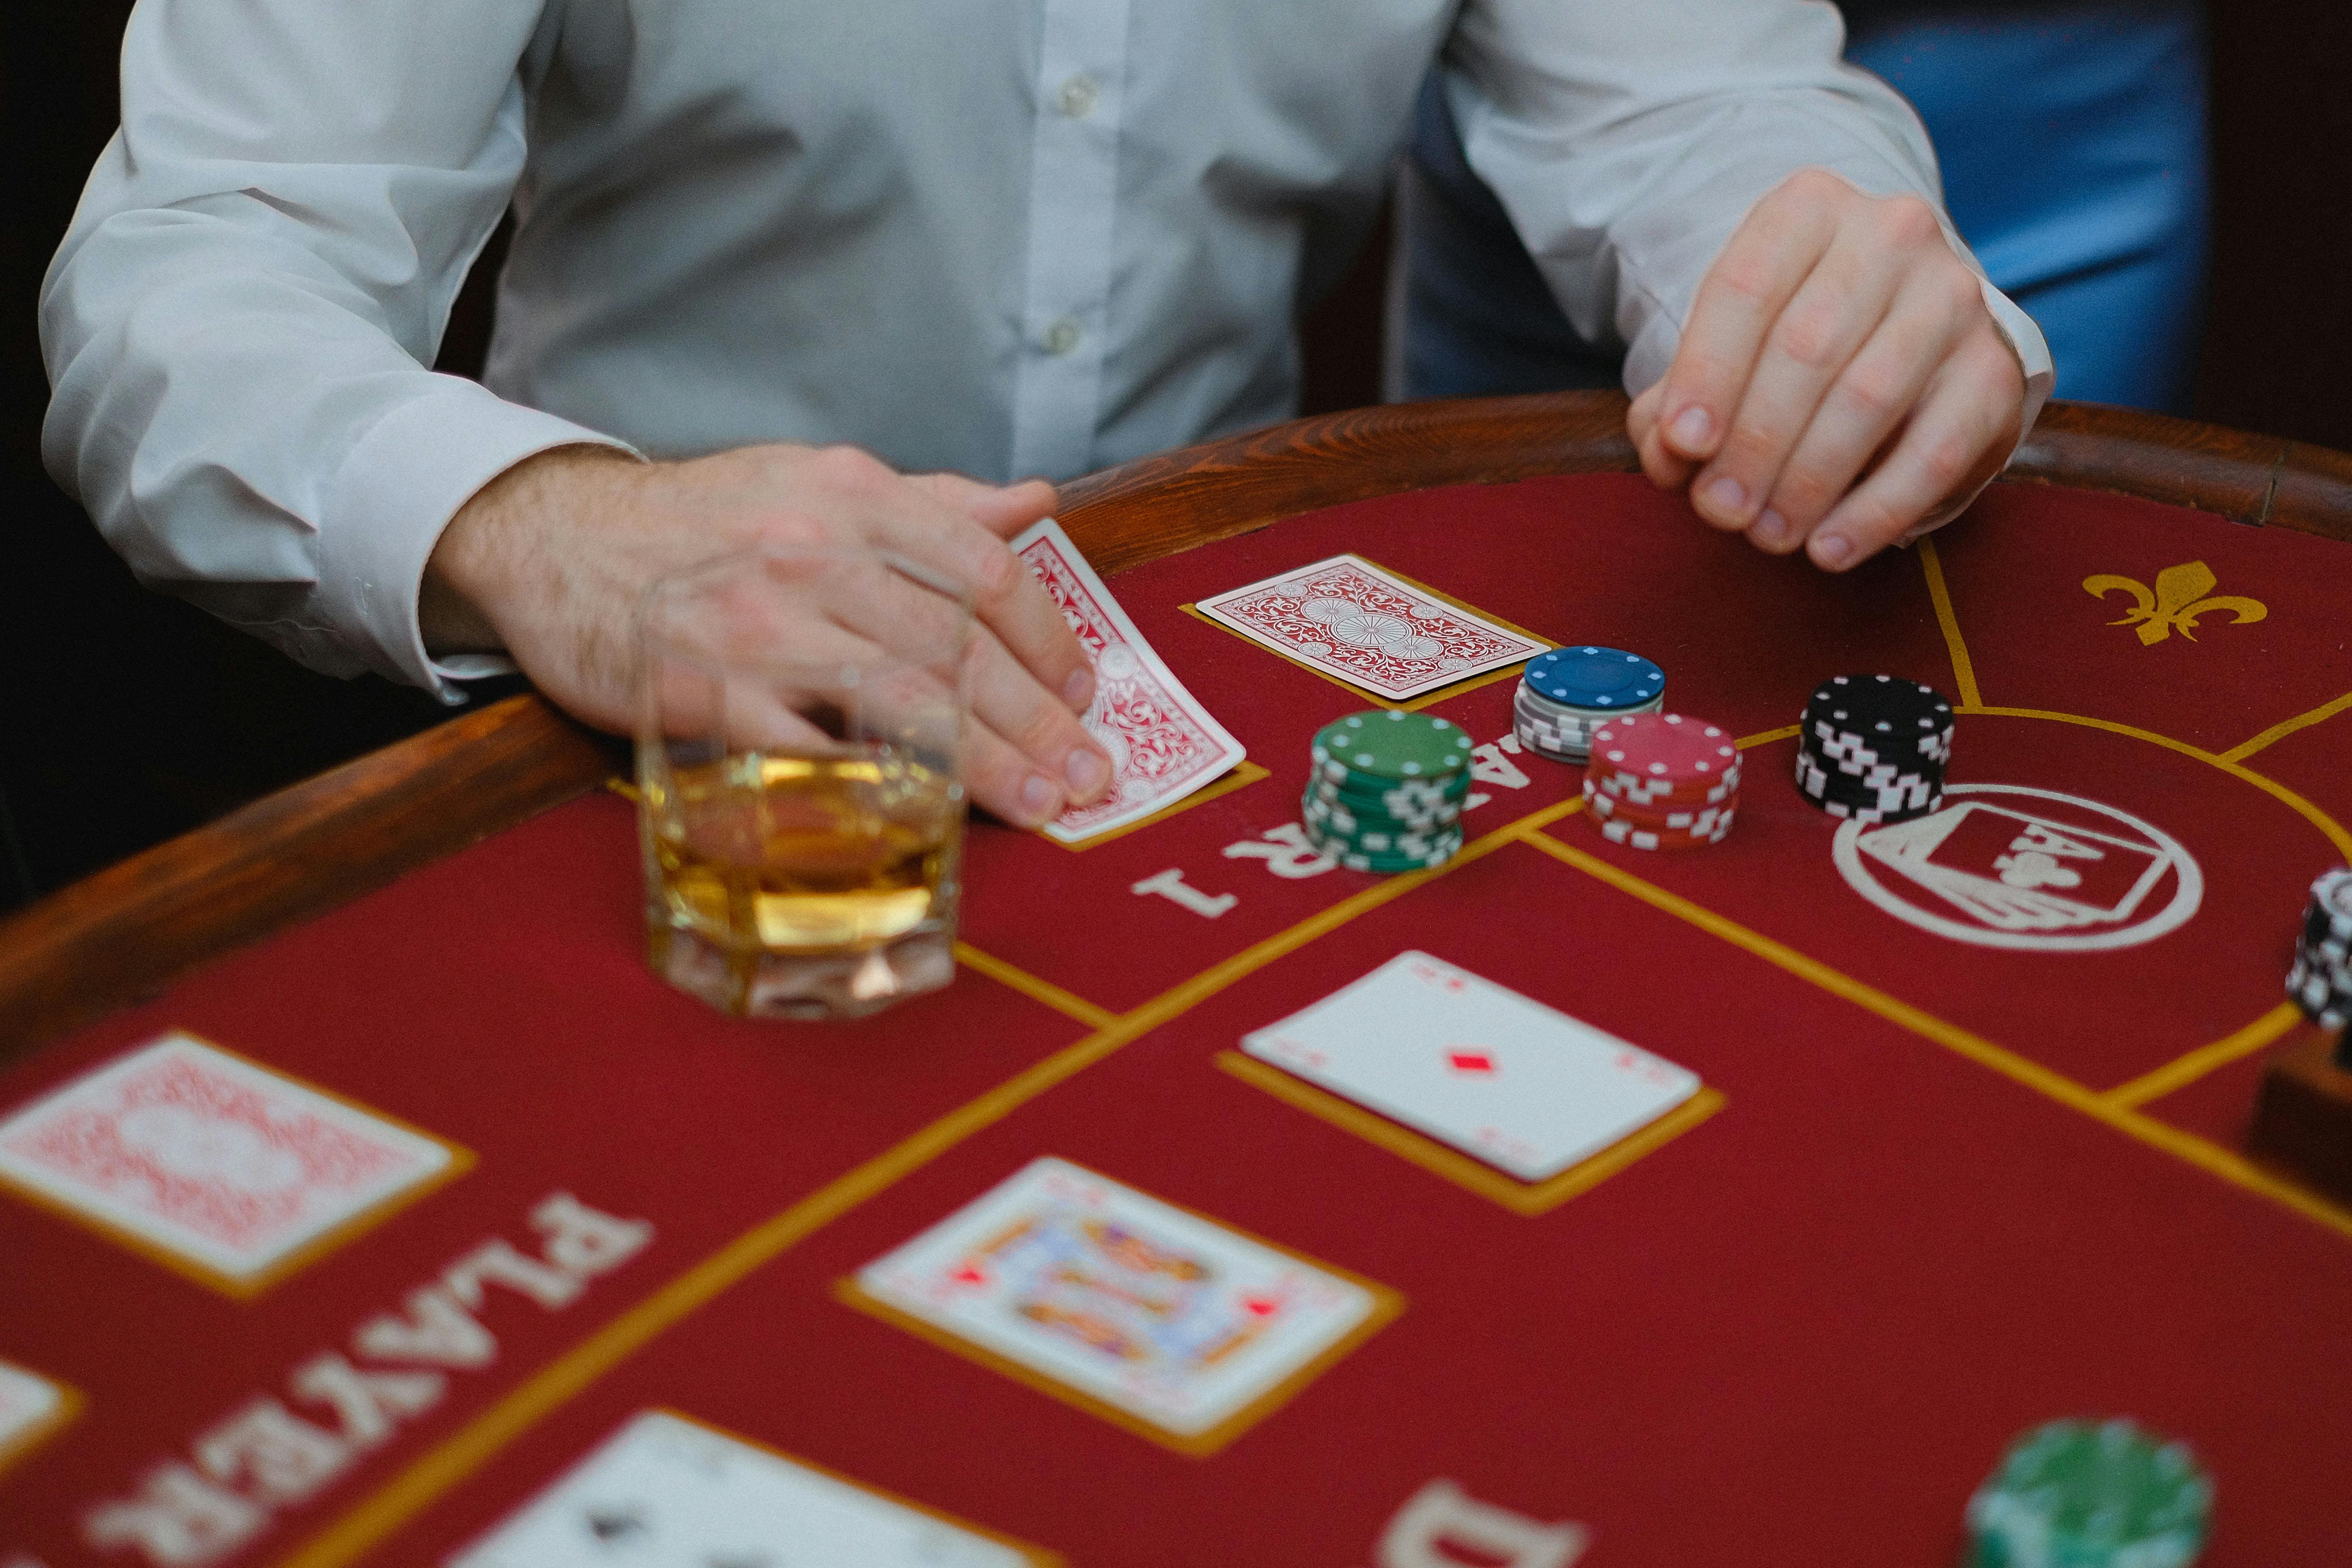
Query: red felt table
1947 1190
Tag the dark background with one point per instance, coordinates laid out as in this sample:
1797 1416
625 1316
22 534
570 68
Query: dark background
126 717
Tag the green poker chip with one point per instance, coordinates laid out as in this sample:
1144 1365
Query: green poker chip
1387 744
2078 1494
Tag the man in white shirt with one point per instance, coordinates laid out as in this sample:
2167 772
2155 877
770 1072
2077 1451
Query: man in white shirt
1004 238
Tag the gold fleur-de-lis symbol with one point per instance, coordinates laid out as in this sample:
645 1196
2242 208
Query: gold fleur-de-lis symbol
2179 598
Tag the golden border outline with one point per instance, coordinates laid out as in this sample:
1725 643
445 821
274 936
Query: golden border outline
458 1457
1012 978
1387 1302
249 1286
1410 704
72 1402
2285 727
1242 772
2228 1164
1528 1198
1034 1556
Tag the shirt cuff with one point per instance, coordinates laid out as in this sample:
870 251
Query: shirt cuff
2032 350
395 492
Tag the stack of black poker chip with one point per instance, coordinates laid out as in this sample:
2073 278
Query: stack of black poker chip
2321 980
1874 748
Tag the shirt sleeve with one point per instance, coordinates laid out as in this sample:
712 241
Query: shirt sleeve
238 325
1628 142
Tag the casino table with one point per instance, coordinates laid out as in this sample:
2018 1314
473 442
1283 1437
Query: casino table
1945 1182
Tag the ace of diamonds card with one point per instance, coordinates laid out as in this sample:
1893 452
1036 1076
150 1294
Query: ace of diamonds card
1190 1328
1509 1081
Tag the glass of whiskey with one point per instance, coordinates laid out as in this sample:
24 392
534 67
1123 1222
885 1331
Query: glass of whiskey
800 734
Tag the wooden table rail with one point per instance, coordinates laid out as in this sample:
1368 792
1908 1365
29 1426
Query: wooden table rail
131 930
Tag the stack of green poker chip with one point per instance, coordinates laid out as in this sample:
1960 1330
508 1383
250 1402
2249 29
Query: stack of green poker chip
1386 790
2076 1495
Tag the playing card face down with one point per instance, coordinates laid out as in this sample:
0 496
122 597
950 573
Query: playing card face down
664 1492
1157 1312
1526 1089
1163 744
1369 627
208 1158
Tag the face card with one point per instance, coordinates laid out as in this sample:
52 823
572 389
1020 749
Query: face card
209 1158
1162 743
1506 1080
1351 619
27 1403
664 1492
1162 1314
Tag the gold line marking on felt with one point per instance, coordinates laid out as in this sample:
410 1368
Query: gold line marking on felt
70 1403
2280 731
1767 737
1069 1003
1964 670
1387 1302
2226 1163
2184 1071
2285 796
1528 1198
1030 1552
1242 772
249 1286
455 1459
474 1445
1441 694
1427 698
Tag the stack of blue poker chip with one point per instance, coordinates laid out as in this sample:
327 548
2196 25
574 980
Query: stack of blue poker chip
1569 693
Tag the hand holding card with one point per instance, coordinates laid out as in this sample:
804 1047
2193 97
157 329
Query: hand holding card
1163 744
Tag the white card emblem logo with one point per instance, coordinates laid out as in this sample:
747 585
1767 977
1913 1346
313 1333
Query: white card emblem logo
2007 865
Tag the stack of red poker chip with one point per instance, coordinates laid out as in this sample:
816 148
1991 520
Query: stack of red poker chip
1662 781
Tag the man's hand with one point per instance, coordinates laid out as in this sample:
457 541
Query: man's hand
550 560
1837 339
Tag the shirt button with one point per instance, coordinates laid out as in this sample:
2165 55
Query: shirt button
1062 336
1078 96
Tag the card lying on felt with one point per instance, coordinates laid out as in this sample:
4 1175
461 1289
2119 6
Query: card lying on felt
1526 1089
1371 628
1163 745
668 1494
181 1146
1125 1299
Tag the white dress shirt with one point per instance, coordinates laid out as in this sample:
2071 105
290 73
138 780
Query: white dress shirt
1003 237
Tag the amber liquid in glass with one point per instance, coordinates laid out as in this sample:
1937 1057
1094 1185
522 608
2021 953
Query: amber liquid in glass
801 856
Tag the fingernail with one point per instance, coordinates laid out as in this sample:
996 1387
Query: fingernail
1770 528
1038 795
1832 549
1692 426
1729 497
1087 771
1079 689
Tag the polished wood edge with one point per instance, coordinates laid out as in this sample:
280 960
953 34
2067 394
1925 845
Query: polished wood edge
1178 501
129 930
2261 480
